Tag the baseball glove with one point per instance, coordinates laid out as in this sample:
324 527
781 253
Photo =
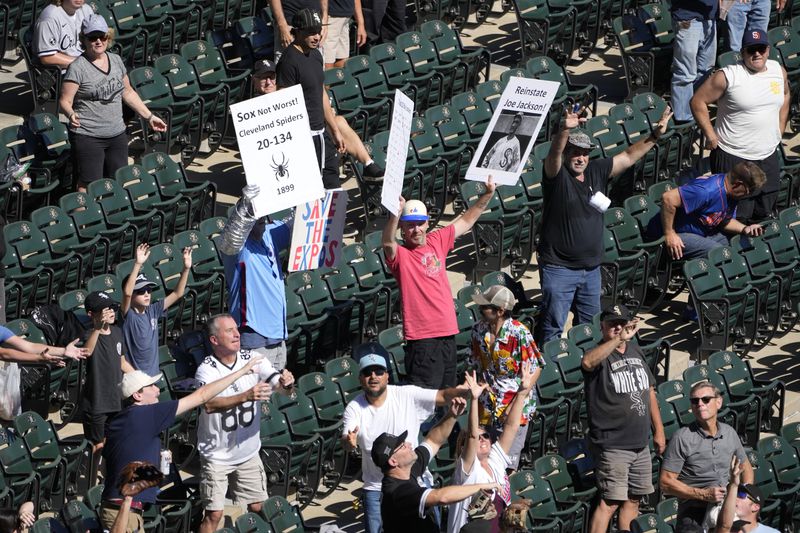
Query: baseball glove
515 515
138 476
482 506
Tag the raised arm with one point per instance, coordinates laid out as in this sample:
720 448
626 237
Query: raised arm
439 433
595 356
529 374
554 160
708 93
470 449
468 219
728 512
180 288
142 255
389 237
239 224
445 396
210 390
625 160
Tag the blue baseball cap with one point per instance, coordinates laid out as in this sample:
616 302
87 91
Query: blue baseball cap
753 37
371 359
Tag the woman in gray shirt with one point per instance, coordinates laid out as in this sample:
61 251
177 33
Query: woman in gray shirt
94 88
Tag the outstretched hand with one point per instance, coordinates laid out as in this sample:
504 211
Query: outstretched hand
573 116
528 374
491 186
475 388
457 406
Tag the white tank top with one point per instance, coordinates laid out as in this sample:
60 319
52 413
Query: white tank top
748 114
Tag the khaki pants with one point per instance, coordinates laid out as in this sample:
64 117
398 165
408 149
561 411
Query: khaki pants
108 515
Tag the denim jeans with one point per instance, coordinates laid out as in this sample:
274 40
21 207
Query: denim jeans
372 511
564 288
749 15
698 246
693 56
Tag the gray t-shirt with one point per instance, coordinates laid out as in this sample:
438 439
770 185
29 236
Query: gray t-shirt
700 459
141 337
55 31
98 101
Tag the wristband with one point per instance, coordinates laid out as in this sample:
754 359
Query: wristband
148 118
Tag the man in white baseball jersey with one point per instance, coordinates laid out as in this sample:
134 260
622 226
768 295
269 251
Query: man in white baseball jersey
228 435
55 36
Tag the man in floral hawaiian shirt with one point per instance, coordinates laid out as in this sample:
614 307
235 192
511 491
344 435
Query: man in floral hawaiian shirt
499 346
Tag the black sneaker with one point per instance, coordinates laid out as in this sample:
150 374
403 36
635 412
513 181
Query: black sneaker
373 171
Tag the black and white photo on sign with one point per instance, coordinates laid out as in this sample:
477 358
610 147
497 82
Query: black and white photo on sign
509 140
512 131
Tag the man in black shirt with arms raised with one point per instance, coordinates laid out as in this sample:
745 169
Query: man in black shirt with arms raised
571 247
301 63
407 503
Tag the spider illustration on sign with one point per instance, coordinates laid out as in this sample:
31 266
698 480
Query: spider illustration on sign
281 169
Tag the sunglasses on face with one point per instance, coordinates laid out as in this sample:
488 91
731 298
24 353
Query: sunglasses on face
367 372
760 48
744 495
489 307
146 290
92 37
706 400
485 436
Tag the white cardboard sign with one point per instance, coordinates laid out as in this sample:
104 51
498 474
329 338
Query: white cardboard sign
277 149
397 152
511 134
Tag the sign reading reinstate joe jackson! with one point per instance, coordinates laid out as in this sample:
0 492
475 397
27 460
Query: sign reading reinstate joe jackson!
511 133
277 150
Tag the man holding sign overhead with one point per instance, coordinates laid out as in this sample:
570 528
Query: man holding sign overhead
571 247
429 317
301 63
256 295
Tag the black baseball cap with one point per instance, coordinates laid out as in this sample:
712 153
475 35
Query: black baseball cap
616 312
307 19
384 446
97 301
753 492
263 67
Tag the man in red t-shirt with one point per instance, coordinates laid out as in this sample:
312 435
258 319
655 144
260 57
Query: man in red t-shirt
429 318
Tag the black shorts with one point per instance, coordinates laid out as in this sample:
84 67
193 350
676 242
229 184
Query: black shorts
431 363
759 206
95 158
94 426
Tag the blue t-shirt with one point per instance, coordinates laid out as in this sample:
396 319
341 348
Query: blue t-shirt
5 334
256 294
134 435
140 331
705 208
